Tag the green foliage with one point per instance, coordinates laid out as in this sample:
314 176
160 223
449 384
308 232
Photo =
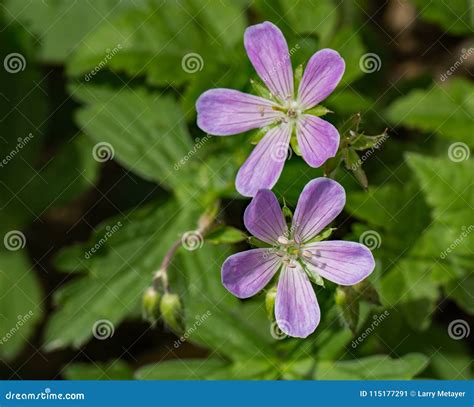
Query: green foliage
54 22
116 370
454 16
379 367
146 132
133 71
117 274
21 302
443 109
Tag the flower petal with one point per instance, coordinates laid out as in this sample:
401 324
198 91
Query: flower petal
320 78
296 308
344 263
245 274
264 219
320 202
265 164
318 140
268 51
223 112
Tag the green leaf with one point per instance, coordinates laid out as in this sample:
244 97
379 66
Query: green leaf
305 16
373 368
163 41
454 16
182 369
20 303
115 370
118 272
448 187
225 234
445 109
145 132
224 19
61 25
461 292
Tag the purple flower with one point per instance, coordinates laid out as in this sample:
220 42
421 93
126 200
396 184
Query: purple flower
224 112
297 253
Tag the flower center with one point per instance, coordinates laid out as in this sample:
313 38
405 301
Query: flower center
293 110
291 251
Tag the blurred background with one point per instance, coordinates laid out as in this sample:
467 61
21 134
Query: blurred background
102 169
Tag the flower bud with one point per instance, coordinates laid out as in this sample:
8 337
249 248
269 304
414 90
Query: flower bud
170 308
150 303
270 302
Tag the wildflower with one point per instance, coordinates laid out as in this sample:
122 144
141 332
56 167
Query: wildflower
283 112
298 253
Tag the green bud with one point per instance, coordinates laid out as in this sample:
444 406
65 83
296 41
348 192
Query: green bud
287 213
150 304
270 303
170 308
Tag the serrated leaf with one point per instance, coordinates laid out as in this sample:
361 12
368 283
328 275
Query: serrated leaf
446 109
145 131
119 273
448 187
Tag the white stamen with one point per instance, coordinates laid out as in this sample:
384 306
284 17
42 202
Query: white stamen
307 254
